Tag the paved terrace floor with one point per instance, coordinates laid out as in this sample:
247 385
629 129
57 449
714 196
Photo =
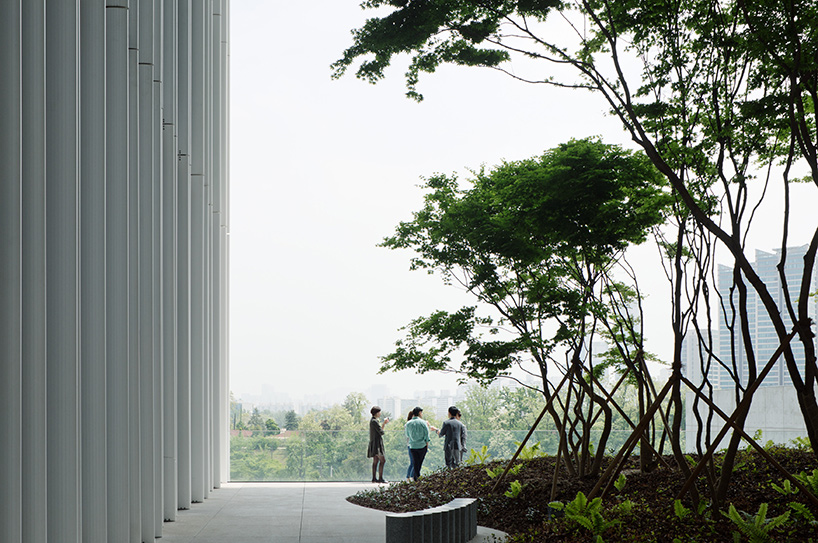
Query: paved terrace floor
284 513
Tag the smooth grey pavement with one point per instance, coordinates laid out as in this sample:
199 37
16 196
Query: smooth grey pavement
284 513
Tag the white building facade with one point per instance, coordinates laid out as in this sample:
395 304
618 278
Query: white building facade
762 332
113 272
775 410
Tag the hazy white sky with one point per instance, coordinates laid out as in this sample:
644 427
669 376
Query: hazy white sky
322 170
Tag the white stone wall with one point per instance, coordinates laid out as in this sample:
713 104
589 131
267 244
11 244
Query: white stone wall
774 411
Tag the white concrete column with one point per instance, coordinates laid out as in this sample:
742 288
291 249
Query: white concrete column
147 397
118 213
208 271
215 335
183 256
225 366
33 275
216 106
169 264
158 318
208 341
224 108
197 344
93 383
215 264
198 208
223 437
224 377
134 278
11 370
62 254
183 330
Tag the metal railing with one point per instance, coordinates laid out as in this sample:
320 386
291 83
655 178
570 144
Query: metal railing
341 455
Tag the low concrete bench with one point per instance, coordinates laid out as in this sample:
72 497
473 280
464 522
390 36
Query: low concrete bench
455 522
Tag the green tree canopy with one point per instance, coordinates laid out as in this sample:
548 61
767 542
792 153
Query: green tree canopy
291 421
482 407
333 418
530 239
535 242
271 426
355 404
255 422
710 90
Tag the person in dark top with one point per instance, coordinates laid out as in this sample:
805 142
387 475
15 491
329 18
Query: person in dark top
463 447
452 430
375 451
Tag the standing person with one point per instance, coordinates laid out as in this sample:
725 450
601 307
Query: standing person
376 450
411 471
463 448
417 432
452 430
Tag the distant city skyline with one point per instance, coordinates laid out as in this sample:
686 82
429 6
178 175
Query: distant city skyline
378 391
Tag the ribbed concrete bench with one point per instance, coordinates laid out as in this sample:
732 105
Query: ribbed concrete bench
455 522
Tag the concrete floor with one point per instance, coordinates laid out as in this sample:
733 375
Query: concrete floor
284 513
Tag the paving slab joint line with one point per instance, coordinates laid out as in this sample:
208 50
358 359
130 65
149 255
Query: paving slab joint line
303 501
219 510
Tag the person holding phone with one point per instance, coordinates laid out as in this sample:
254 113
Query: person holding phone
375 451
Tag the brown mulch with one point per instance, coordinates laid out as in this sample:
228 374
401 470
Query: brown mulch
647 514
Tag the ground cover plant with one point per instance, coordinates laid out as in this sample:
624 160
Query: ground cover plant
641 507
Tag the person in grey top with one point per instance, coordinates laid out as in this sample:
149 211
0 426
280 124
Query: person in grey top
463 447
453 431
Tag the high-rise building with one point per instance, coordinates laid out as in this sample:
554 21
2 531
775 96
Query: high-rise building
765 340
392 405
774 411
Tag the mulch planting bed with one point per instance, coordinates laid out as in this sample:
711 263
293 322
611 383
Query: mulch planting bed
643 510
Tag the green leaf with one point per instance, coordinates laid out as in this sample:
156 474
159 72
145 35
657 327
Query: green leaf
680 510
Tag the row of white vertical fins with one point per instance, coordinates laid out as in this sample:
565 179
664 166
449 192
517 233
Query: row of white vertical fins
113 265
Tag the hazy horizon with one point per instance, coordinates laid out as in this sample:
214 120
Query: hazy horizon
322 170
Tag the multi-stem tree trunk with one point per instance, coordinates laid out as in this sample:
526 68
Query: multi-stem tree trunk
678 338
599 455
713 32
804 387
559 422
